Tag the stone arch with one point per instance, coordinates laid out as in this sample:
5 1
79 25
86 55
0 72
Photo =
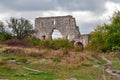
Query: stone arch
79 44
52 31
56 34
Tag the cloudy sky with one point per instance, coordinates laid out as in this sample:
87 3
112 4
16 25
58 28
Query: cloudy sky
88 13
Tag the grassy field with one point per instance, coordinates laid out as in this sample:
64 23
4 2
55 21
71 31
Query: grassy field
22 74
52 64
115 58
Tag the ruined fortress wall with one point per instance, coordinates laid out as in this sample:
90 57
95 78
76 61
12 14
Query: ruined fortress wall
85 39
65 24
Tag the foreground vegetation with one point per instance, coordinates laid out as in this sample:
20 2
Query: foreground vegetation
30 63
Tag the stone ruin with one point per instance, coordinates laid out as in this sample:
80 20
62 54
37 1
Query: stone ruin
84 39
66 25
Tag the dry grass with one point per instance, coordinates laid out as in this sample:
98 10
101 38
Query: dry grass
22 51
16 42
63 56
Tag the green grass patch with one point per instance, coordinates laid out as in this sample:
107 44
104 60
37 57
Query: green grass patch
116 65
26 75
115 60
18 73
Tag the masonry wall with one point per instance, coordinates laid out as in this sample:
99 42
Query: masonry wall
85 39
65 24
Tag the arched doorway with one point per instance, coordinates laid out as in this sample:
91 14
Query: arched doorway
56 34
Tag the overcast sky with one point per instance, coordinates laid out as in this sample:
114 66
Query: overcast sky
88 13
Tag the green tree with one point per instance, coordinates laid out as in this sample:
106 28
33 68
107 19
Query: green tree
21 27
4 35
107 36
2 28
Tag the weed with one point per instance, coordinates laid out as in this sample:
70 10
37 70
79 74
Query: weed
77 48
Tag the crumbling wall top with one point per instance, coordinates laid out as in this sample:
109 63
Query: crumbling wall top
68 16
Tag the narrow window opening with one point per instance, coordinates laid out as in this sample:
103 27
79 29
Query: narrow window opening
54 22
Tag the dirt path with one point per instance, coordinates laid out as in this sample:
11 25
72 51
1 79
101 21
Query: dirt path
24 67
34 70
109 70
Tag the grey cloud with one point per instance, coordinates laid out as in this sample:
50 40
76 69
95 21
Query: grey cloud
86 28
118 1
87 5
43 5
29 5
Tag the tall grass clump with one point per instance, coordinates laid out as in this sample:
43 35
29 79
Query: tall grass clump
51 44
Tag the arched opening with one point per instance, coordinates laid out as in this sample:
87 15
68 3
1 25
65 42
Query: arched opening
56 34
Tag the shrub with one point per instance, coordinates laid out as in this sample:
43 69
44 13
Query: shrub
62 43
5 36
51 44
